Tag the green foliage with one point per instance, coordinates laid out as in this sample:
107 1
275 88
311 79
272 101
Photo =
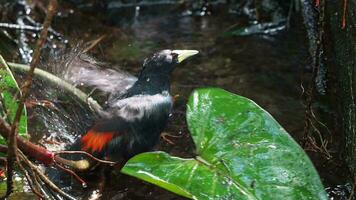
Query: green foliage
243 153
9 91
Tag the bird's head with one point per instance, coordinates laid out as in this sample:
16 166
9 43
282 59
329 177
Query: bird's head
163 62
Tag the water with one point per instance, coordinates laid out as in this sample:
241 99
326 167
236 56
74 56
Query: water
266 69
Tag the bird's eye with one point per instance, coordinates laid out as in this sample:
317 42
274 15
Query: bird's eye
174 56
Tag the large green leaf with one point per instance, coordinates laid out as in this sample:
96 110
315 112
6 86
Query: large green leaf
9 93
243 153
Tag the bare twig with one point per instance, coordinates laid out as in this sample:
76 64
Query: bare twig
86 154
43 177
93 43
344 15
165 136
72 173
34 186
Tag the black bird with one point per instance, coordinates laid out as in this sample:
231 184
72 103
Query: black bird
138 108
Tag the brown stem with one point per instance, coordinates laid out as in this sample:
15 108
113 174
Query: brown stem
43 177
344 13
94 43
86 154
34 187
12 145
39 153
80 180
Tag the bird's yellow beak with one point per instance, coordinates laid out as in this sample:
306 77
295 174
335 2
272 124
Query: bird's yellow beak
184 54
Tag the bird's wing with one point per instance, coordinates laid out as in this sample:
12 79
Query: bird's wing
126 114
102 133
84 71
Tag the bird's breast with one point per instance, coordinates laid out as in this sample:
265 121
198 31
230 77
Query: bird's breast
143 107
145 116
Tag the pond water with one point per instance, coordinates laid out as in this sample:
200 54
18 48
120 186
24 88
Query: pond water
267 69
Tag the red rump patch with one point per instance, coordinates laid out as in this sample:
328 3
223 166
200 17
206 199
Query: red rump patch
95 141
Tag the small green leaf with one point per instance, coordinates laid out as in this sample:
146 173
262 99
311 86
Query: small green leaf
243 154
9 90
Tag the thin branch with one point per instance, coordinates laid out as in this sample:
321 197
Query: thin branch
87 154
12 153
43 177
72 173
94 43
34 186
344 15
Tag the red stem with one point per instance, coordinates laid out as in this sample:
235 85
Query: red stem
317 3
39 153
72 173
343 26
